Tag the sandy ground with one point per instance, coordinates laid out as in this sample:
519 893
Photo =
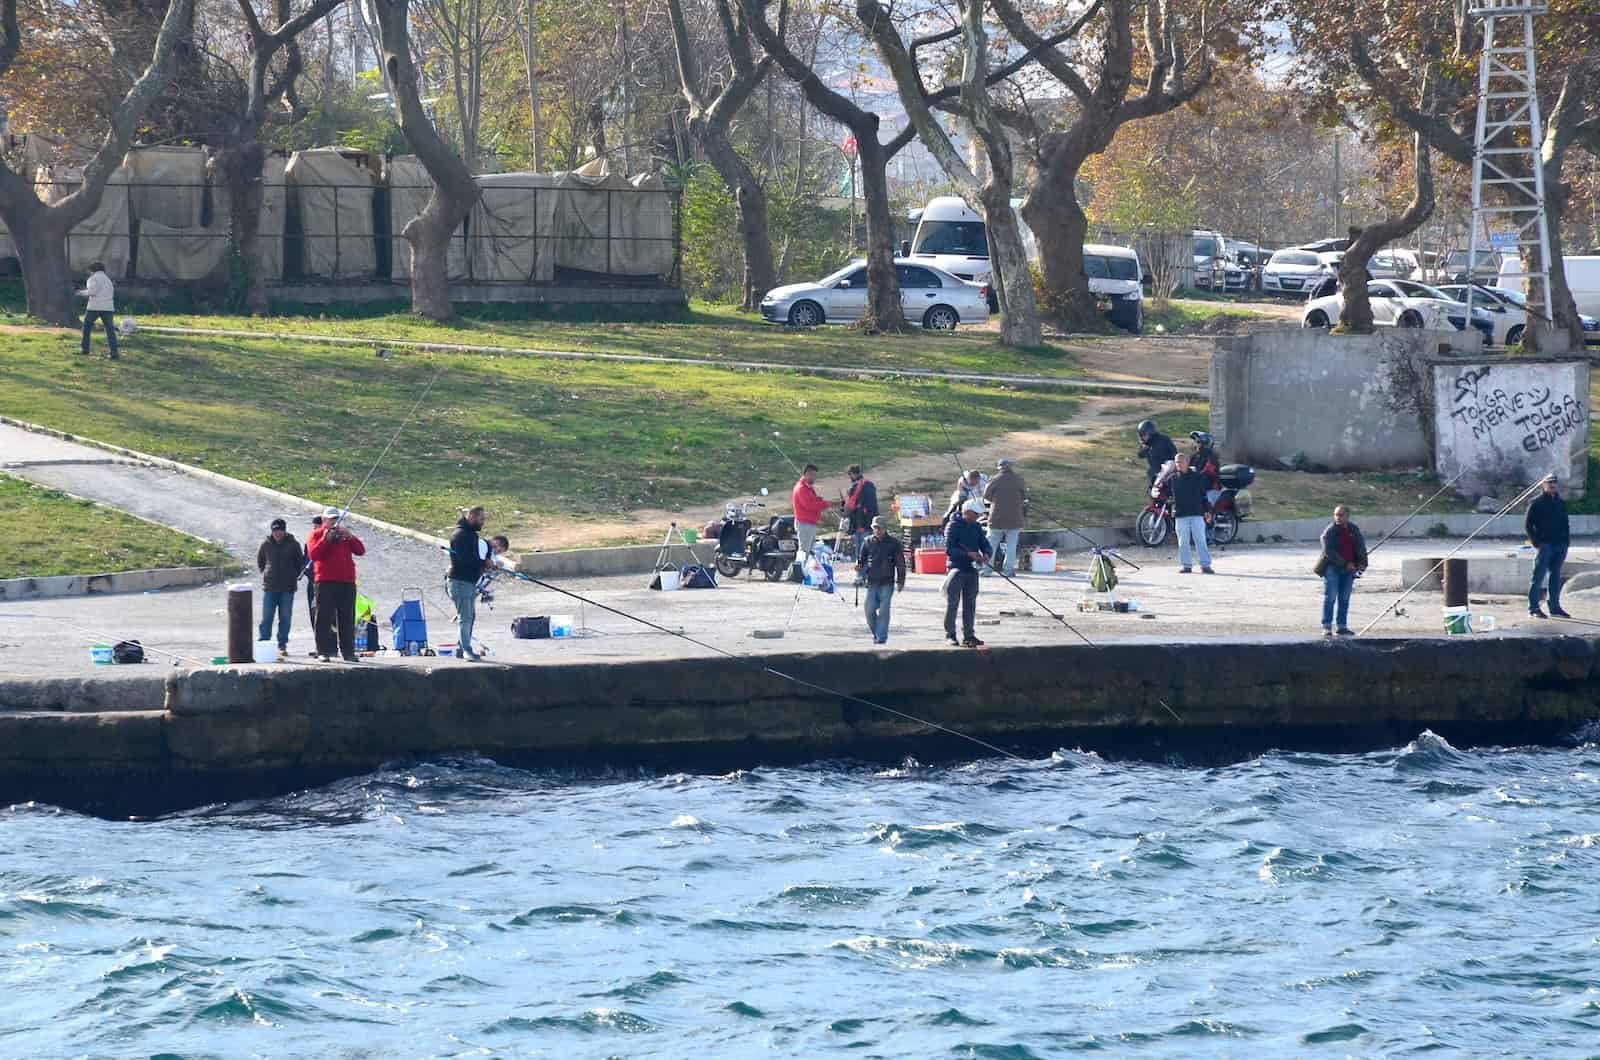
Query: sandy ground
1258 592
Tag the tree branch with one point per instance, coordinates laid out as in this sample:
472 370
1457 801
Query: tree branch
1048 55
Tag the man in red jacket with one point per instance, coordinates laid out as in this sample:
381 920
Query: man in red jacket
808 508
333 551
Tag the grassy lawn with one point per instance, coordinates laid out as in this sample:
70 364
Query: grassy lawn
537 440
44 533
1184 319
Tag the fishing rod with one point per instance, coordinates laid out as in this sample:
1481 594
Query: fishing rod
1518 499
956 456
1417 511
756 664
392 439
103 635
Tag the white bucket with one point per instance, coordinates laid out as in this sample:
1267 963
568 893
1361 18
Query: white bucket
1044 560
669 583
266 651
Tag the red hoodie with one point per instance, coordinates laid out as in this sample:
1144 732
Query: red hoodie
808 504
334 559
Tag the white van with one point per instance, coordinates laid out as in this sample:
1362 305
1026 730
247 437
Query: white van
1583 279
952 236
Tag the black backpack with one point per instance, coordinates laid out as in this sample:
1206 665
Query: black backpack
127 651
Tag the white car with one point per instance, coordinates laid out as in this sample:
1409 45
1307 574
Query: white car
1396 263
1404 304
1297 273
932 297
1510 319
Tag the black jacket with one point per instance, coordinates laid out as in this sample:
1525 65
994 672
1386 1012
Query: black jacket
1189 494
1547 521
466 561
961 536
1330 547
866 506
280 563
883 561
1157 451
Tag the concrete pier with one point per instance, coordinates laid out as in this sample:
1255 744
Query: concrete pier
149 743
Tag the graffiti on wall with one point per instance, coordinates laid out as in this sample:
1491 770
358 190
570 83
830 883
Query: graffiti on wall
1541 415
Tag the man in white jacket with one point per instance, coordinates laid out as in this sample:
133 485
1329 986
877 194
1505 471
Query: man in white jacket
102 306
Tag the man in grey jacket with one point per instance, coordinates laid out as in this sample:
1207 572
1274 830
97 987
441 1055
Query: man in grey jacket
1007 497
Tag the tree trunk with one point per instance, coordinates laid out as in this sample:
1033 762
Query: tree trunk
239 169
750 202
42 252
1564 333
1013 280
1355 315
1060 226
884 309
530 55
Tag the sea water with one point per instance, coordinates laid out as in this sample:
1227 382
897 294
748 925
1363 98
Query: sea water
1417 899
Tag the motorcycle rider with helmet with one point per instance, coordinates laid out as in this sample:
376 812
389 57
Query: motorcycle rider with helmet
1156 448
1205 461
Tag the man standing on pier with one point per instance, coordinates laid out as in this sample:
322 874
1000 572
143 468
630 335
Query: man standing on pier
467 560
280 560
333 551
966 547
808 508
1548 531
882 559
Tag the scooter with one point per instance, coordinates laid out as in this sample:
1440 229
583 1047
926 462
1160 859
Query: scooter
770 549
1232 506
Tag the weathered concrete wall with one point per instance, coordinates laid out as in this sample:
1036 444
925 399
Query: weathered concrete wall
252 730
1509 422
1349 402
132 581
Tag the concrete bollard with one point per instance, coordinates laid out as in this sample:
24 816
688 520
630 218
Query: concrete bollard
241 617
1455 583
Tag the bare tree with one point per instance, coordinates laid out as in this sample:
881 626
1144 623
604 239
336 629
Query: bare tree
454 191
39 229
471 33
1355 314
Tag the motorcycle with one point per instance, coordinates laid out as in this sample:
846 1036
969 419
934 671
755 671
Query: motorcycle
771 549
1232 506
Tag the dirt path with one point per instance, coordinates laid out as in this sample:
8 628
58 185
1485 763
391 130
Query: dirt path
1094 416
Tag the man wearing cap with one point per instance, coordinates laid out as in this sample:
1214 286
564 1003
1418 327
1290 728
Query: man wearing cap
1548 531
966 548
468 555
279 559
882 559
1007 496
969 486
333 551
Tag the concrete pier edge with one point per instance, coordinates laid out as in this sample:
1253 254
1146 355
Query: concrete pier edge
128 581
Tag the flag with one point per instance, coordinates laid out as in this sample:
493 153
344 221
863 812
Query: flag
850 144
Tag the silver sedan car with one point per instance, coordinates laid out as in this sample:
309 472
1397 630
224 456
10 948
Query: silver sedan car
932 297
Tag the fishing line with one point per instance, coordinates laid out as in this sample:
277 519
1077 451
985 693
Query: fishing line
758 665
1417 511
392 439
1518 499
103 635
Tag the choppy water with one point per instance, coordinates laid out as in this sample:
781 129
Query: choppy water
1418 899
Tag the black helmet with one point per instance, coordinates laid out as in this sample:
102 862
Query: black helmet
1201 436
1147 427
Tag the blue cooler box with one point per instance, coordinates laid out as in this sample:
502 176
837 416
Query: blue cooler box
408 628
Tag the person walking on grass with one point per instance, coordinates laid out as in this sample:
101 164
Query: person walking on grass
280 559
333 551
882 560
860 507
1548 531
966 548
468 555
809 506
1191 512
1007 498
1344 556
102 296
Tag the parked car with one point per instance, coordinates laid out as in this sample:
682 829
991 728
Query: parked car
1404 304
1212 269
1395 263
1583 280
1510 311
932 297
1322 246
1250 258
1114 274
952 236
1485 271
1297 272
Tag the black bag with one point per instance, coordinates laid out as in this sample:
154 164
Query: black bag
372 643
695 576
127 651
535 628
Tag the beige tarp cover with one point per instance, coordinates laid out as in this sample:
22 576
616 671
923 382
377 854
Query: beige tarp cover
168 185
409 188
103 235
607 224
335 200
180 253
512 225
643 223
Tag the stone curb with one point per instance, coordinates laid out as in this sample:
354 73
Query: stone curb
131 581
1082 386
213 476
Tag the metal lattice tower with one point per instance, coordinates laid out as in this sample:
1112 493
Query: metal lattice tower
1508 115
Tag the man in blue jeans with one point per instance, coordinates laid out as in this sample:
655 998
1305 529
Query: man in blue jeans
280 560
1548 531
882 560
1344 555
1190 514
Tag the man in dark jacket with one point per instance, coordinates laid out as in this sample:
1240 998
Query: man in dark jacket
280 560
467 557
966 548
881 559
1344 555
860 507
1190 514
1548 532
1155 447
